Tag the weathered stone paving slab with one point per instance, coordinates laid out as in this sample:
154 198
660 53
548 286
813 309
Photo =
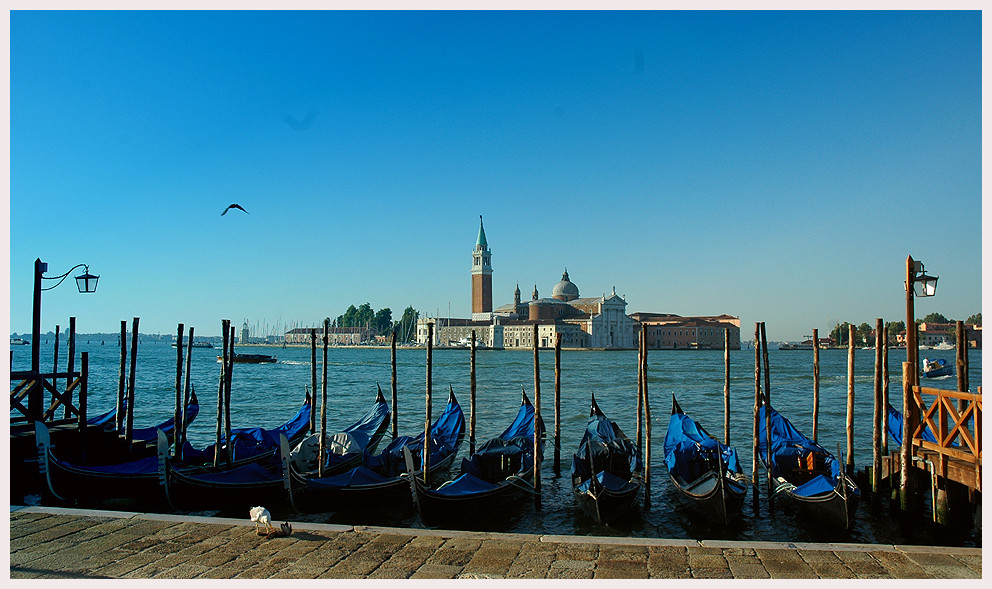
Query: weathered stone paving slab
55 543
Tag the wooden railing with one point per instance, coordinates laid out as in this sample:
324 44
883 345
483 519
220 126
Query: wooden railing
28 391
955 418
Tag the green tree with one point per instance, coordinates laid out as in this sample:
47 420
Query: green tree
895 328
935 318
348 319
840 333
365 316
974 320
383 320
863 333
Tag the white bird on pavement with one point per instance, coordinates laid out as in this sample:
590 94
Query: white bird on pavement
260 515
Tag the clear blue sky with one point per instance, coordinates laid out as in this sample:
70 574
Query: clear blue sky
777 166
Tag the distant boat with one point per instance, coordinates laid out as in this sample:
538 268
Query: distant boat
808 345
943 346
16 341
198 344
937 367
251 358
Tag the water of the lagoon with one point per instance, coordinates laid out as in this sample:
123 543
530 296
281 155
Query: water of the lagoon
265 395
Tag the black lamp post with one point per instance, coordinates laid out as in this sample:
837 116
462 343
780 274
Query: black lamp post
85 282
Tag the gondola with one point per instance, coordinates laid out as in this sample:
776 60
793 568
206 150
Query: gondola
500 472
143 478
807 474
106 421
381 481
607 469
243 485
705 472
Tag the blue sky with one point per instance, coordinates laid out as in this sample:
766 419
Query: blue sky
776 166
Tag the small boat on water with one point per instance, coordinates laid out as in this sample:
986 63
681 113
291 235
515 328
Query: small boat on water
382 482
500 472
806 473
198 344
607 469
16 341
250 358
704 471
943 346
936 367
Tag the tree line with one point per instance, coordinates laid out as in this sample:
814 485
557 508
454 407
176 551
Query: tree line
863 333
381 321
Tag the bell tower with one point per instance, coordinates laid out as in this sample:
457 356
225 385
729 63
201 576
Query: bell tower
482 274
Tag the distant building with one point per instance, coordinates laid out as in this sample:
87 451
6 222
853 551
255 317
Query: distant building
668 331
933 334
336 336
244 333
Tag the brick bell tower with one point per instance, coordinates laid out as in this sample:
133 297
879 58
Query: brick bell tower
482 274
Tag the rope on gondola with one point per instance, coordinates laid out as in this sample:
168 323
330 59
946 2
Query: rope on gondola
521 484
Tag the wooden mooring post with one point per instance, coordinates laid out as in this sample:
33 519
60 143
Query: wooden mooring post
182 425
640 390
471 403
905 450
313 380
178 418
647 425
537 419
84 369
726 386
322 443
220 391
392 380
129 427
961 364
849 461
878 413
557 466
885 395
119 418
228 375
757 407
816 383
71 359
426 459
768 415
55 367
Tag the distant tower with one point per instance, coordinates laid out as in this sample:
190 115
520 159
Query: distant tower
482 274
534 296
244 333
516 295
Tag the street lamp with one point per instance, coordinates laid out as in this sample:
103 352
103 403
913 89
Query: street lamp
924 285
85 282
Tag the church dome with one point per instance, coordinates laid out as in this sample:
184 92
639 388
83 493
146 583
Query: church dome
565 290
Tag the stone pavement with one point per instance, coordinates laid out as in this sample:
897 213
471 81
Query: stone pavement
47 542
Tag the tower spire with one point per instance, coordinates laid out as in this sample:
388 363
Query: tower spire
481 241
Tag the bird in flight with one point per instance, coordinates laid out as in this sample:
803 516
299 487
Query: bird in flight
234 206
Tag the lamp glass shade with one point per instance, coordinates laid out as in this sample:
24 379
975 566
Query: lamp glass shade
86 282
925 286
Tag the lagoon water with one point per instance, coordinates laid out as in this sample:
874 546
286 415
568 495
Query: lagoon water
265 395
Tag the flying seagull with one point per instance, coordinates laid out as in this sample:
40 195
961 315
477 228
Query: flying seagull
233 206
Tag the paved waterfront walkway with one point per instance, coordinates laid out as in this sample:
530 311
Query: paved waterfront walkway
47 542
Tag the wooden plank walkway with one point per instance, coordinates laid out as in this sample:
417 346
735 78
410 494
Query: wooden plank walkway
47 542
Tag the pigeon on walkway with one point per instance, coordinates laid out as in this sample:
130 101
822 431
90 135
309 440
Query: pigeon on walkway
234 206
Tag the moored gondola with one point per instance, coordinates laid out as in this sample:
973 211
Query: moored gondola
607 469
705 472
808 475
500 472
381 481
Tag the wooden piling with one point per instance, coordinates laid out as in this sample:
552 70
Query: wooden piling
879 411
849 462
816 383
72 358
426 461
885 393
471 404
130 382
55 366
220 392
726 386
322 443
768 414
121 390
537 416
84 371
557 466
961 364
757 406
228 375
647 426
181 426
640 390
392 381
313 380
177 422
907 437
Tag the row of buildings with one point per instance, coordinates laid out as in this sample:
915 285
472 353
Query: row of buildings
583 322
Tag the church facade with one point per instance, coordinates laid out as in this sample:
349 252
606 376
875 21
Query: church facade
590 322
